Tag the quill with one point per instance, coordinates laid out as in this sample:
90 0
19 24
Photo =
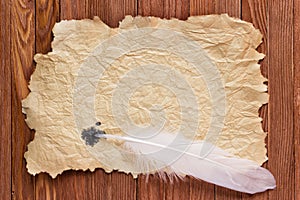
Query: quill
184 157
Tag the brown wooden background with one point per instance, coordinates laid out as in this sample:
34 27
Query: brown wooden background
26 29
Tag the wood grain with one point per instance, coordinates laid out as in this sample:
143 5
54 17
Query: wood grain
147 191
22 51
178 189
72 9
164 8
255 11
297 95
281 138
202 7
231 7
206 7
5 103
151 8
43 187
47 13
111 12
123 186
99 185
200 190
27 29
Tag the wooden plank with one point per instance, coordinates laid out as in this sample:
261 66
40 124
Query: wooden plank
75 184
72 9
22 50
93 185
233 8
202 7
47 13
297 164
151 8
86 185
255 11
99 185
43 187
176 8
148 191
297 95
178 189
5 102
123 186
164 8
206 7
226 194
111 12
200 190
281 138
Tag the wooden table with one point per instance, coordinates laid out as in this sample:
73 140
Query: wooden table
26 29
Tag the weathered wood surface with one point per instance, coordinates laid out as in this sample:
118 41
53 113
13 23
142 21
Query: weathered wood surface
26 29
296 54
5 103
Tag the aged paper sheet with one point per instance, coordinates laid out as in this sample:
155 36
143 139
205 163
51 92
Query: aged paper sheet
199 77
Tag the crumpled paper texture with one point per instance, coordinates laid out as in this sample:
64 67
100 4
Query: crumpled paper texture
59 105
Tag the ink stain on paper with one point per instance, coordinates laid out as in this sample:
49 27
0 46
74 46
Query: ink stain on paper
91 135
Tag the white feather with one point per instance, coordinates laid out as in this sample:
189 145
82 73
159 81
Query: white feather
180 156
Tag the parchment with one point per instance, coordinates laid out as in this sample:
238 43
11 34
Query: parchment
199 77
